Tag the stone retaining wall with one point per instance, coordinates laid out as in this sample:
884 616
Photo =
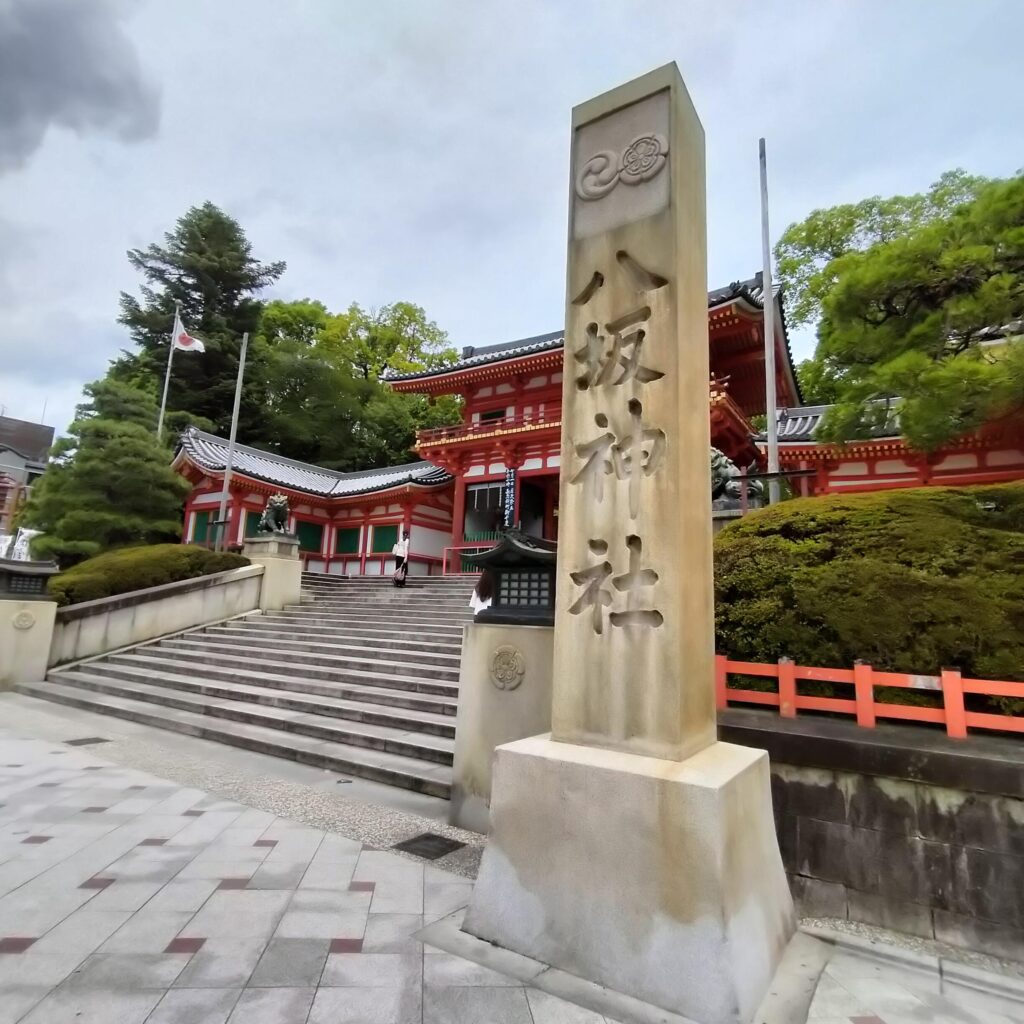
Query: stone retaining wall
97 627
898 827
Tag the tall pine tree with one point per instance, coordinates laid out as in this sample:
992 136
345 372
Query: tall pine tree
206 264
109 483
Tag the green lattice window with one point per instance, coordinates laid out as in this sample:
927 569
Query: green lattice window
202 528
252 523
384 539
311 535
346 540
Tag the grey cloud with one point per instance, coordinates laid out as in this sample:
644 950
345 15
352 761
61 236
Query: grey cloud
68 63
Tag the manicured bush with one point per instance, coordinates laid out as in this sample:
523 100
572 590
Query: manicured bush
127 569
906 580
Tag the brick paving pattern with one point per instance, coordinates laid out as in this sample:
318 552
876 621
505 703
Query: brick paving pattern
128 899
153 903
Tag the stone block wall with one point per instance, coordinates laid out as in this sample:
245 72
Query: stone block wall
916 833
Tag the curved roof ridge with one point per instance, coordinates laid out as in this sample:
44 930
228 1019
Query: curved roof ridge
210 452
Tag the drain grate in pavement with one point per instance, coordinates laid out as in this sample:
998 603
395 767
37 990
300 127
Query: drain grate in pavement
429 845
86 741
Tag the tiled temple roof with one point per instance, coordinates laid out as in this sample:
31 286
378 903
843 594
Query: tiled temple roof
210 452
30 440
751 290
799 425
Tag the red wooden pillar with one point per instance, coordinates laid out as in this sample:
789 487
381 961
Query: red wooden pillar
459 510
407 516
550 491
364 543
234 527
186 522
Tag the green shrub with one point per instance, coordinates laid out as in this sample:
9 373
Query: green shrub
906 580
127 569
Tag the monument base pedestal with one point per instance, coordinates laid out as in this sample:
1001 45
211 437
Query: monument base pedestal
661 880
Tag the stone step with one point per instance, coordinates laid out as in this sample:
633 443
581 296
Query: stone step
426 624
412 582
451 636
426 620
419 745
435 610
317 654
128 665
283 662
381 640
96 676
414 585
337 646
378 765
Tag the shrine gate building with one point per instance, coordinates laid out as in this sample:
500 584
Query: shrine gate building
500 465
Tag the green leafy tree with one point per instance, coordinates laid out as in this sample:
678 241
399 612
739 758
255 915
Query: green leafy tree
910 320
109 483
807 252
817 384
323 397
206 264
397 337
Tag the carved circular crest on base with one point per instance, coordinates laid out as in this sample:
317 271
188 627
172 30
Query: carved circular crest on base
23 620
508 666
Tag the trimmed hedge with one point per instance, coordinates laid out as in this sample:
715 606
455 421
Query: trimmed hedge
906 580
127 569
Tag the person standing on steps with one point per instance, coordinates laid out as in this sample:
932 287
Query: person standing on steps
401 553
483 592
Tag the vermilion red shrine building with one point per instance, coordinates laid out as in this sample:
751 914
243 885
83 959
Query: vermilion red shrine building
502 462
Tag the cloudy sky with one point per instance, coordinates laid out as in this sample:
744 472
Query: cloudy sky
418 149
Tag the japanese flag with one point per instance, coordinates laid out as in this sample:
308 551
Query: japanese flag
183 340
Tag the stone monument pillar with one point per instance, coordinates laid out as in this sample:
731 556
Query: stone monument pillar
629 847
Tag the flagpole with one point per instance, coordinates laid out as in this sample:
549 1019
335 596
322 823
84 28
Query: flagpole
768 298
231 441
167 375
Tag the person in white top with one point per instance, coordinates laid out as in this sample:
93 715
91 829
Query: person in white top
401 553
483 593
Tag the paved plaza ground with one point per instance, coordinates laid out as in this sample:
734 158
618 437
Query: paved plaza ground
130 897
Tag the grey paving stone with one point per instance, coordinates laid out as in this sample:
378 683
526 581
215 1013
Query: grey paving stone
333 874
224 963
240 912
195 1006
128 971
75 1006
469 1005
183 894
373 970
278 875
81 934
369 1006
325 915
445 969
224 865
549 1009
18 1000
146 932
345 924
126 895
296 963
441 899
273 1006
392 933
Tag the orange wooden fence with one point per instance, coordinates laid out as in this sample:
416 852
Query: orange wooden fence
956 718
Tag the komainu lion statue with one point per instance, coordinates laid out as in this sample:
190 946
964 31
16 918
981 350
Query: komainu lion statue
275 515
727 483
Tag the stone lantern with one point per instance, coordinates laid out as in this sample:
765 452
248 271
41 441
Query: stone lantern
523 568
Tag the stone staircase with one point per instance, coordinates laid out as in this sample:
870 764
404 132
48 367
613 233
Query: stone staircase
361 679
